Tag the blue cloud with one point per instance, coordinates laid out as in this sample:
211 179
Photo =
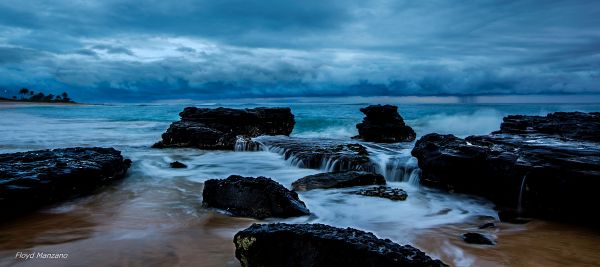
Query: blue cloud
124 50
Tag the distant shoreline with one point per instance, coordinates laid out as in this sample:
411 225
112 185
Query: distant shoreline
32 103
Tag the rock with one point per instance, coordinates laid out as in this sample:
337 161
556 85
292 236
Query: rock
29 180
321 245
383 124
219 128
477 238
487 225
337 180
572 125
384 192
325 154
252 197
537 175
177 165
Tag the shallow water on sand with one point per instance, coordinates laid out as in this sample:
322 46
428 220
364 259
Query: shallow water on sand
154 216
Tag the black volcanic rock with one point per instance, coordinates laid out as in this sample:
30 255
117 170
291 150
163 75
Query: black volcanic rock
478 239
177 165
571 125
383 124
537 174
337 180
29 180
327 154
301 245
252 197
383 192
219 128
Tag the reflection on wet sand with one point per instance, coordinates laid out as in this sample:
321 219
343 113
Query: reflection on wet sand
126 227
537 243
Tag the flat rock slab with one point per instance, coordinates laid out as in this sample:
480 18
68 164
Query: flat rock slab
338 180
33 179
258 197
322 245
317 153
571 125
383 192
219 128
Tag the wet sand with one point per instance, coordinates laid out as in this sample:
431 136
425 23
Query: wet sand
537 243
124 227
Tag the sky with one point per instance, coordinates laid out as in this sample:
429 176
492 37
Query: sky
126 50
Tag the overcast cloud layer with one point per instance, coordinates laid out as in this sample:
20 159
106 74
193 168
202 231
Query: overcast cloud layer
158 49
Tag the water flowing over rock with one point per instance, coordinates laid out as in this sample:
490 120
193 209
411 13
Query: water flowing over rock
322 245
219 128
337 180
258 197
572 125
177 165
383 192
539 175
29 180
383 124
325 154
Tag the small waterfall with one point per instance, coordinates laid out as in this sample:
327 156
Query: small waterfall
330 164
243 143
520 208
396 166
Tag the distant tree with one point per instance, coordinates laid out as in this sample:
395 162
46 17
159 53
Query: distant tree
37 97
58 98
23 92
14 97
31 92
48 98
65 97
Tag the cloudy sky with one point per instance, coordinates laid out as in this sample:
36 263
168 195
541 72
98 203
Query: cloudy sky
157 49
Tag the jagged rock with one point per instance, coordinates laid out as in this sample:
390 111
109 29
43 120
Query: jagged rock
337 180
477 238
572 125
219 128
383 124
326 154
177 165
29 180
258 197
383 192
538 175
322 245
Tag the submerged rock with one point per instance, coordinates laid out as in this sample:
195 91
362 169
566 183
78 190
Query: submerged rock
487 225
383 192
337 180
219 128
252 197
383 124
29 180
321 245
177 165
536 175
478 239
325 154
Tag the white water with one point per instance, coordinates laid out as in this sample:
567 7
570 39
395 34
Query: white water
152 187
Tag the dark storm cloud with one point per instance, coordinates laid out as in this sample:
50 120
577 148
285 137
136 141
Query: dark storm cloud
234 48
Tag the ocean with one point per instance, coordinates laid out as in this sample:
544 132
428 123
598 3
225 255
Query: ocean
155 217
